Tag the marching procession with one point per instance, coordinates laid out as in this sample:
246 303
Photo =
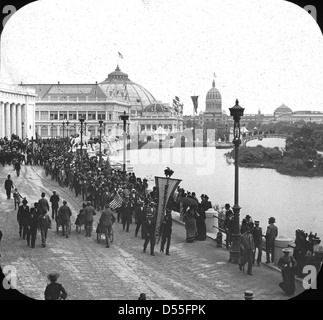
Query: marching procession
120 198
100 187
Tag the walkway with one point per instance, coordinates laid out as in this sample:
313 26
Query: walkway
88 270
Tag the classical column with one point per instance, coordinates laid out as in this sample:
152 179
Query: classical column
13 118
2 120
19 126
8 121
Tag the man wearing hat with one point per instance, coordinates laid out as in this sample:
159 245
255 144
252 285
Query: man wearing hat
271 234
149 227
247 248
257 238
54 199
43 205
287 263
140 217
166 231
64 216
8 185
54 290
88 214
32 224
22 218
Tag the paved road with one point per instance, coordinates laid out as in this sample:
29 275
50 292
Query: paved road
88 270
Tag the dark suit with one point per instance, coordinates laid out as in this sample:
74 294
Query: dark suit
140 217
32 227
54 199
166 230
127 215
22 218
149 235
247 247
8 185
257 238
64 216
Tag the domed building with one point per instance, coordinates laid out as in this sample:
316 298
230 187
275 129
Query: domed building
159 115
119 86
213 106
58 108
283 113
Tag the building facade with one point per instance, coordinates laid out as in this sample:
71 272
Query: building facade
60 106
17 111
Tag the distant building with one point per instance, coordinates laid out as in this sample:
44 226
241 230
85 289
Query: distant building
17 111
60 106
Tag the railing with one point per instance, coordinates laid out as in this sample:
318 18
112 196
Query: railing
226 244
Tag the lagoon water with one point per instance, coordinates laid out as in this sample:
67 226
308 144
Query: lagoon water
295 202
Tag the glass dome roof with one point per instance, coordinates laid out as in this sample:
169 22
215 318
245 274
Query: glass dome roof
120 87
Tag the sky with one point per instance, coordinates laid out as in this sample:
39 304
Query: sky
262 52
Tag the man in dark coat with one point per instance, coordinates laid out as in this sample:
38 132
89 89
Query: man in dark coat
140 217
43 205
149 227
257 238
106 221
247 248
22 218
44 223
54 199
127 211
32 226
17 167
166 231
89 213
64 216
8 185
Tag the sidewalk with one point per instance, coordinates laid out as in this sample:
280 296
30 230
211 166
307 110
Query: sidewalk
212 236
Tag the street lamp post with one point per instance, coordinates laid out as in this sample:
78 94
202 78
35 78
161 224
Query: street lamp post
124 117
67 124
63 128
100 129
81 120
236 112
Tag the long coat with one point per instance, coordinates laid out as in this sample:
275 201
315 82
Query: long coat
140 214
89 213
64 213
32 219
22 215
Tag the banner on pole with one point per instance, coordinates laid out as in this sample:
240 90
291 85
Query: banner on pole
165 189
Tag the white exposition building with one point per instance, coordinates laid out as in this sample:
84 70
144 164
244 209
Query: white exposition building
60 106
17 111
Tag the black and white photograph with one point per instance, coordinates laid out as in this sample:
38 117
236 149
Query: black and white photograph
161 150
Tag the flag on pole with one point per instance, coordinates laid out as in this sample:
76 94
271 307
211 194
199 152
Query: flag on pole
120 55
116 202
195 104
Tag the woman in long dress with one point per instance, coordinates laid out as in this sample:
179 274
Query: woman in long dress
190 224
286 264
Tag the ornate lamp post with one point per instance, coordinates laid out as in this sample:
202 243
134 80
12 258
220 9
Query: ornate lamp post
236 112
67 123
100 129
63 123
124 117
81 120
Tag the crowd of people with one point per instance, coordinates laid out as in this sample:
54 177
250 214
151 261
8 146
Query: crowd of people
101 187
123 197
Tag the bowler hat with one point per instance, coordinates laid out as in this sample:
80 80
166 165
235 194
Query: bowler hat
272 220
256 222
24 201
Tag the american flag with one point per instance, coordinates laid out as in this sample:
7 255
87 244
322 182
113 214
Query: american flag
116 202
